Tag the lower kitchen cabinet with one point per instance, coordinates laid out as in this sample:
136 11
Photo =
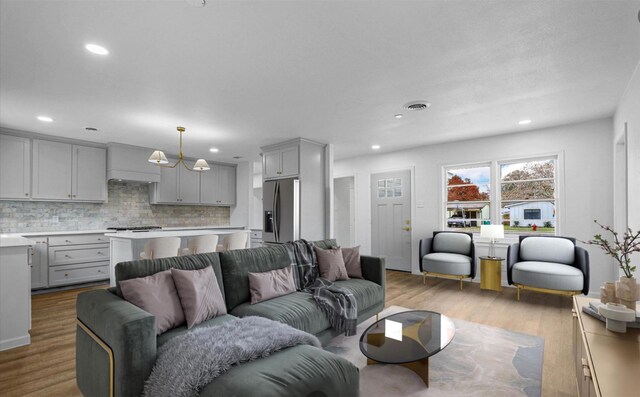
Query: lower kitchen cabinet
39 264
78 258
78 273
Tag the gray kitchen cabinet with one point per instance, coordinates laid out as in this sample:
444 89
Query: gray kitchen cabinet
130 163
15 168
39 263
218 185
281 163
177 186
52 164
78 258
166 191
188 185
66 172
89 174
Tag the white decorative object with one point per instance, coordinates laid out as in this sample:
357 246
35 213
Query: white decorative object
492 232
617 316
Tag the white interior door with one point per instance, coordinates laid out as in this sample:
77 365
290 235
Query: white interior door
391 218
344 216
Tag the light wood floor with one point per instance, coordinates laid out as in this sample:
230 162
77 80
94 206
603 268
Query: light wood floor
47 366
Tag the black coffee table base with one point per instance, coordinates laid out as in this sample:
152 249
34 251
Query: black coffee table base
420 368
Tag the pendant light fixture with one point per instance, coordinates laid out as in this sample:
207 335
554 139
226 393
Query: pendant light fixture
158 158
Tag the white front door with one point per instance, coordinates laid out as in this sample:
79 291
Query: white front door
391 218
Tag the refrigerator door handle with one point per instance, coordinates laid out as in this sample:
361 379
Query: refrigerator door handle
277 212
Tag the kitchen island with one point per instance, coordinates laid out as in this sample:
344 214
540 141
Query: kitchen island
126 246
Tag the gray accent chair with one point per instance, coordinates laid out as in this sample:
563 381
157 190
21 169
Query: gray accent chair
448 254
550 264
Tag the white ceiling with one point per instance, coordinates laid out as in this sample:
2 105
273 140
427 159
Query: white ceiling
240 74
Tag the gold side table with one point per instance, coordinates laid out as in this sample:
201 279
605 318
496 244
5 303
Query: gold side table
491 273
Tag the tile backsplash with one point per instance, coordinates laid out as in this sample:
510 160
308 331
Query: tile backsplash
128 205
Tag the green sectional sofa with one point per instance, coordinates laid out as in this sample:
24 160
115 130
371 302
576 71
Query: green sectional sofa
116 341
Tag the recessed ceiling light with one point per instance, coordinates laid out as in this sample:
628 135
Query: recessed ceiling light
45 118
214 150
417 105
524 122
398 116
96 49
375 147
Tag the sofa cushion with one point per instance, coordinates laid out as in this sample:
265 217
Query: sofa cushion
547 275
445 263
157 295
547 249
367 293
162 339
147 267
296 371
237 264
200 295
331 264
297 309
351 258
457 243
267 285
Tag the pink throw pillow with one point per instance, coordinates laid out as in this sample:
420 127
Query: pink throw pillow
271 284
200 294
157 295
331 264
351 258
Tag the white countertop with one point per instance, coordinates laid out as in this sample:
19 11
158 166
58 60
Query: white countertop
6 242
103 231
168 233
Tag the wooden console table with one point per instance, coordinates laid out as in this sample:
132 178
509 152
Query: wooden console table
607 363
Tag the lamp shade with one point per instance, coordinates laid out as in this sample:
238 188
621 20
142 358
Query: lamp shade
158 157
492 231
201 165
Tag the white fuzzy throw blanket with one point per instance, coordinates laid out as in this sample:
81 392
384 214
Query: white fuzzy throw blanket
188 362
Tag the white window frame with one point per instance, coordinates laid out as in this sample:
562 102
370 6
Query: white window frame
495 186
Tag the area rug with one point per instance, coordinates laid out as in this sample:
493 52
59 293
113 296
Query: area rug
480 361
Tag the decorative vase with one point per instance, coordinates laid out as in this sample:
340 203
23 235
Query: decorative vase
627 292
608 293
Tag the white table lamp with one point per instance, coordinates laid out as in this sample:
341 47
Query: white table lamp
492 232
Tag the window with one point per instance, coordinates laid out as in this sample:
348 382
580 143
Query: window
468 197
524 198
528 196
390 188
532 213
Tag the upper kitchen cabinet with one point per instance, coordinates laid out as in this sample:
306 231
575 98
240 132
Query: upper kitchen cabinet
281 162
52 162
15 168
188 184
166 191
62 171
89 174
130 163
218 185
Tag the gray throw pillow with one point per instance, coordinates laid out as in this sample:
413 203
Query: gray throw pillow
351 258
271 284
331 264
200 294
157 295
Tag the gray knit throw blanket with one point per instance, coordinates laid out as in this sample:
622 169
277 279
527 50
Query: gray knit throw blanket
188 362
337 303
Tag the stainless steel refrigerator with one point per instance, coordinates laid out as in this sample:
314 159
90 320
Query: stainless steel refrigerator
281 211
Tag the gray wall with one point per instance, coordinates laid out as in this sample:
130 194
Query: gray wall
128 205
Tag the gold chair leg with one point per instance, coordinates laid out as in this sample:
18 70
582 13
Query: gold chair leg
424 278
460 283
518 288
377 317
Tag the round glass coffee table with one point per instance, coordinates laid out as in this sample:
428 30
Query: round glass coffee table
407 339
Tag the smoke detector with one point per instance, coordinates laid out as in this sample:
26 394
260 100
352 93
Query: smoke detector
417 105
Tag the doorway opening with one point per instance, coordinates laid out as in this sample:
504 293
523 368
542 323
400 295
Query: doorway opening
344 211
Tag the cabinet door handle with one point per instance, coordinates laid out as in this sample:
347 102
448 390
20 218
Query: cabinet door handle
68 195
74 195
67 256
66 275
67 241
100 253
26 194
